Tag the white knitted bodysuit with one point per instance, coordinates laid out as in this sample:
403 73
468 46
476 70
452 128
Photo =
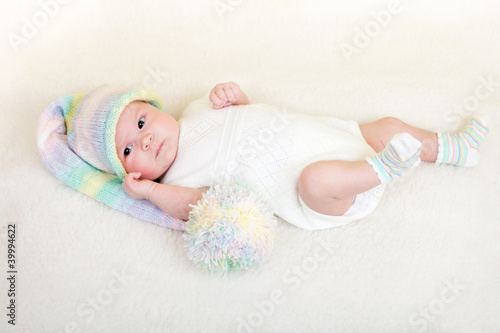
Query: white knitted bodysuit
268 148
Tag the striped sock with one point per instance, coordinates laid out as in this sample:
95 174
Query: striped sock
400 155
462 148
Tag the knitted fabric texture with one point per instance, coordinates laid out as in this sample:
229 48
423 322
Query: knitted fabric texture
76 141
462 148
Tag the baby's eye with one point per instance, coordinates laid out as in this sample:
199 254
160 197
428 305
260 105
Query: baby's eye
141 122
127 150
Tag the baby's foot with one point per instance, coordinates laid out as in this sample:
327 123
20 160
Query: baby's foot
399 156
462 148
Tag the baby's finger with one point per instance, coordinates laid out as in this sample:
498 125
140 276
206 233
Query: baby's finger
213 98
220 93
229 93
133 176
126 185
236 91
136 175
217 102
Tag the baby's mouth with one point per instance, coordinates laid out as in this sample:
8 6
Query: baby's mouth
159 149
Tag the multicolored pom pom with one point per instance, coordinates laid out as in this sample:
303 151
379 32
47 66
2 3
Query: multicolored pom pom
231 228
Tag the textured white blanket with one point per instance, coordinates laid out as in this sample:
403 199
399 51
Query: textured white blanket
427 259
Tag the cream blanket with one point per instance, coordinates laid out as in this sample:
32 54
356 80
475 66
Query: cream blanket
426 260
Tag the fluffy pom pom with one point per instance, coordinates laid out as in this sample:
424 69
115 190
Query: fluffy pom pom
229 229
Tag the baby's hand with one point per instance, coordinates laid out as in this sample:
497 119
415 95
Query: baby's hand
225 94
138 188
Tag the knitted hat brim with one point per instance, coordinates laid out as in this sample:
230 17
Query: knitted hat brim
146 95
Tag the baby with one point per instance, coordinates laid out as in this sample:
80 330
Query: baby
317 172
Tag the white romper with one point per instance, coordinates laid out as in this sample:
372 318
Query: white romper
268 148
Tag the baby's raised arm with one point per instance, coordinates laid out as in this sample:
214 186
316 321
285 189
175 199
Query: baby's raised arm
225 94
174 200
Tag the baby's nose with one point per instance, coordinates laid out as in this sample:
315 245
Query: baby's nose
146 141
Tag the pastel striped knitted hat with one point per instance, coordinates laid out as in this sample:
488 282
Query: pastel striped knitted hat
76 140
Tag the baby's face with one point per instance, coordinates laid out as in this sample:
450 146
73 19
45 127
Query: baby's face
146 140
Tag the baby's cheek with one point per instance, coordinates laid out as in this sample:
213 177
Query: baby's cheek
143 167
131 166
124 164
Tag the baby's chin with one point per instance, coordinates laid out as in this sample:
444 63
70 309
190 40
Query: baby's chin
161 176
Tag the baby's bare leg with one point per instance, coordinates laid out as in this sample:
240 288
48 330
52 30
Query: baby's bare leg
379 133
329 187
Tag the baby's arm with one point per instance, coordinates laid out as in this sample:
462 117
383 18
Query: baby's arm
225 94
173 200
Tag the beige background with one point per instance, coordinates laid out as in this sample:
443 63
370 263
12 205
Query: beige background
427 260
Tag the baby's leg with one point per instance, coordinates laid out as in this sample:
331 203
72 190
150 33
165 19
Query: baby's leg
379 133
459 149
329 187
